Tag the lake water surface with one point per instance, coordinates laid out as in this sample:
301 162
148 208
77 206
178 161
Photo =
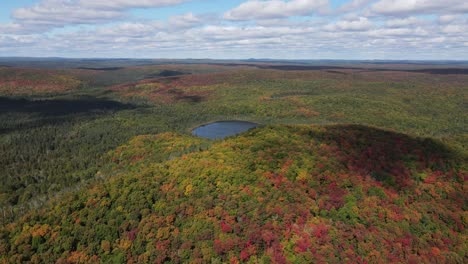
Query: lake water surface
222 129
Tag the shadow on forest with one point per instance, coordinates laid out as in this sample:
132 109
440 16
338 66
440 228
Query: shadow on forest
302 67
101 69
165 73
58 107
334 69
386 155
53 111
179 95
444 71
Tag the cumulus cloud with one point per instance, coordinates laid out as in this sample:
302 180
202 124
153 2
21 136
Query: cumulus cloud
63 13
398 32
22 40
353 38
271 9
403 22
357 29
10 28
408 7
125 4
445 19
128 30
455 29
353 5
187 20
357 24
58 13
22 28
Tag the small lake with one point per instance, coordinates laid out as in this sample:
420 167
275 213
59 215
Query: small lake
222 129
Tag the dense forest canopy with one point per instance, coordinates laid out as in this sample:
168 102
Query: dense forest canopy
354 164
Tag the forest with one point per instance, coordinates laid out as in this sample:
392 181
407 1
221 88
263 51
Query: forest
351 164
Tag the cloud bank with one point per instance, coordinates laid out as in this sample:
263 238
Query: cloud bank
295 29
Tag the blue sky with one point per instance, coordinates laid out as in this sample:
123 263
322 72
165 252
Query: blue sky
7 6
233 29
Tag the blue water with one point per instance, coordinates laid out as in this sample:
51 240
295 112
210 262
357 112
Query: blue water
222 129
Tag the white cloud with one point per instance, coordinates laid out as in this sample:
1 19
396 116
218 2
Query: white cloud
126 4
395 33
353 5
10 28
357 24
187 20
455 29
22 28
403 22
58 13
445 19
62 14
129 30
20 41
253 29
345 39
408 7
272 9
245 33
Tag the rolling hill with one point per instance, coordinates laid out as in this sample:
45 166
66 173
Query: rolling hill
277 194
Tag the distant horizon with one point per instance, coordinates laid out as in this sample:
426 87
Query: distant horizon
232 59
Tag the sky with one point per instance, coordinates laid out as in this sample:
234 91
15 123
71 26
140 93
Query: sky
236 29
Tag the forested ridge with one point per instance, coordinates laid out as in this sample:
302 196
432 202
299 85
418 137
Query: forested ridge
97 165
278 194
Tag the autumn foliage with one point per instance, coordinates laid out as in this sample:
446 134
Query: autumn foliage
277 194
35 82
